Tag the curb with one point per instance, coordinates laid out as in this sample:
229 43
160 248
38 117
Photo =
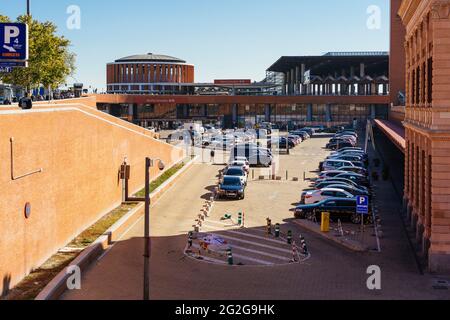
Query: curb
58 285
348 244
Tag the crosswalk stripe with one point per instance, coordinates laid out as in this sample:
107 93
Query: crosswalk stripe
260 253
235 255
254 243
219 223
254 236
253 259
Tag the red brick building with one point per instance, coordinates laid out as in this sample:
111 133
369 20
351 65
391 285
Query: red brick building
149 73
427 125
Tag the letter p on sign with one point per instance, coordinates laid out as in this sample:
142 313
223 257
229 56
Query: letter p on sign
11 32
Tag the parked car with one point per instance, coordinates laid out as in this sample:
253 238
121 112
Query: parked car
339 144
339 208
323 184
358 170
231 187
350 148
357 178
303 134
285 143
236 171
347 157
330 174
333 164
315 196
244 165
353 190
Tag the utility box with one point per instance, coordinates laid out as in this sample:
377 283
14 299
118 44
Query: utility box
325 225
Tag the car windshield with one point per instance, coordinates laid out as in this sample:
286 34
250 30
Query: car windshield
234 172
231 181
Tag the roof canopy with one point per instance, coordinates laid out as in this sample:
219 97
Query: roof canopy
150 57
375 63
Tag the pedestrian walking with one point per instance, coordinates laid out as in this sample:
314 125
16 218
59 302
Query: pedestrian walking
25 102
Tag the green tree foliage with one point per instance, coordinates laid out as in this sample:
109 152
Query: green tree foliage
50 61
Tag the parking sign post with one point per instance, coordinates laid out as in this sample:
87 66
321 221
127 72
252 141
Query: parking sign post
362 208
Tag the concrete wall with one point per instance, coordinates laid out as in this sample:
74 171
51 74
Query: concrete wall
80 151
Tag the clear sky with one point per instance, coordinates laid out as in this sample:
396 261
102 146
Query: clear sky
223 39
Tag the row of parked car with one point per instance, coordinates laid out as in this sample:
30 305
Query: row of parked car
234 178
342 177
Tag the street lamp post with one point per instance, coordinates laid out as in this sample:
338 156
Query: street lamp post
28 7
147 241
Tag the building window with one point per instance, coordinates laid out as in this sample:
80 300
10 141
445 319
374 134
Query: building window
430 80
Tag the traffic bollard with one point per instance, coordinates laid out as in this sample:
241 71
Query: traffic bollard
269 226
230 256
240 218
190 239
196 228
294 252
289 237
277 230
303 244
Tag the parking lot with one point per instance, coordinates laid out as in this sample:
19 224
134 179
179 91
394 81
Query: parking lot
263 267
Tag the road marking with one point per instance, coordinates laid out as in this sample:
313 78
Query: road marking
235 255
254 236
260 253
253 259
254 243
219 223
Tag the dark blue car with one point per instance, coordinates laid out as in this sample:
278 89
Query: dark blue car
231 187
339 208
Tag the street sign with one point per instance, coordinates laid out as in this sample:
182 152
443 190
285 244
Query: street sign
8 66
362 205
13 41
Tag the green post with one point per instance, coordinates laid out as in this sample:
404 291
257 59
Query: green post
289 237
277 230
230 256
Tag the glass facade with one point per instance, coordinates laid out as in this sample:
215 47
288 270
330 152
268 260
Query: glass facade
248 115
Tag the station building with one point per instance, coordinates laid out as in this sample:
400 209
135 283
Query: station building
333 89
149 74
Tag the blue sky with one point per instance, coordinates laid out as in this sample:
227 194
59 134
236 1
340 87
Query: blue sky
223 39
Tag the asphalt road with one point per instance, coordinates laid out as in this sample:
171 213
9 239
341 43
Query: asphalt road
331 272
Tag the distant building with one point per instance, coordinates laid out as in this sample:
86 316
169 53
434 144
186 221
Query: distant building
150 74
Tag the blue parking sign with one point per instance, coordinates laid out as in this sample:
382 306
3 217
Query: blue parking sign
362 205
13 41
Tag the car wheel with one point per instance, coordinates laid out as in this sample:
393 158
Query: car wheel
243 196
355 218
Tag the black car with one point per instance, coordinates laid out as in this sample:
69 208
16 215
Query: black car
339 208
341 144
285 143
356 178
303 134
232 187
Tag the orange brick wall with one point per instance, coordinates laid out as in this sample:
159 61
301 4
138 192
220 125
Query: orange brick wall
80 151
427 122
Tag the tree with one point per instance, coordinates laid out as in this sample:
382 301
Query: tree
50 61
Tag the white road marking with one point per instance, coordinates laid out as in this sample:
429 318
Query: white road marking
256 237
254 243
260 253
253 259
